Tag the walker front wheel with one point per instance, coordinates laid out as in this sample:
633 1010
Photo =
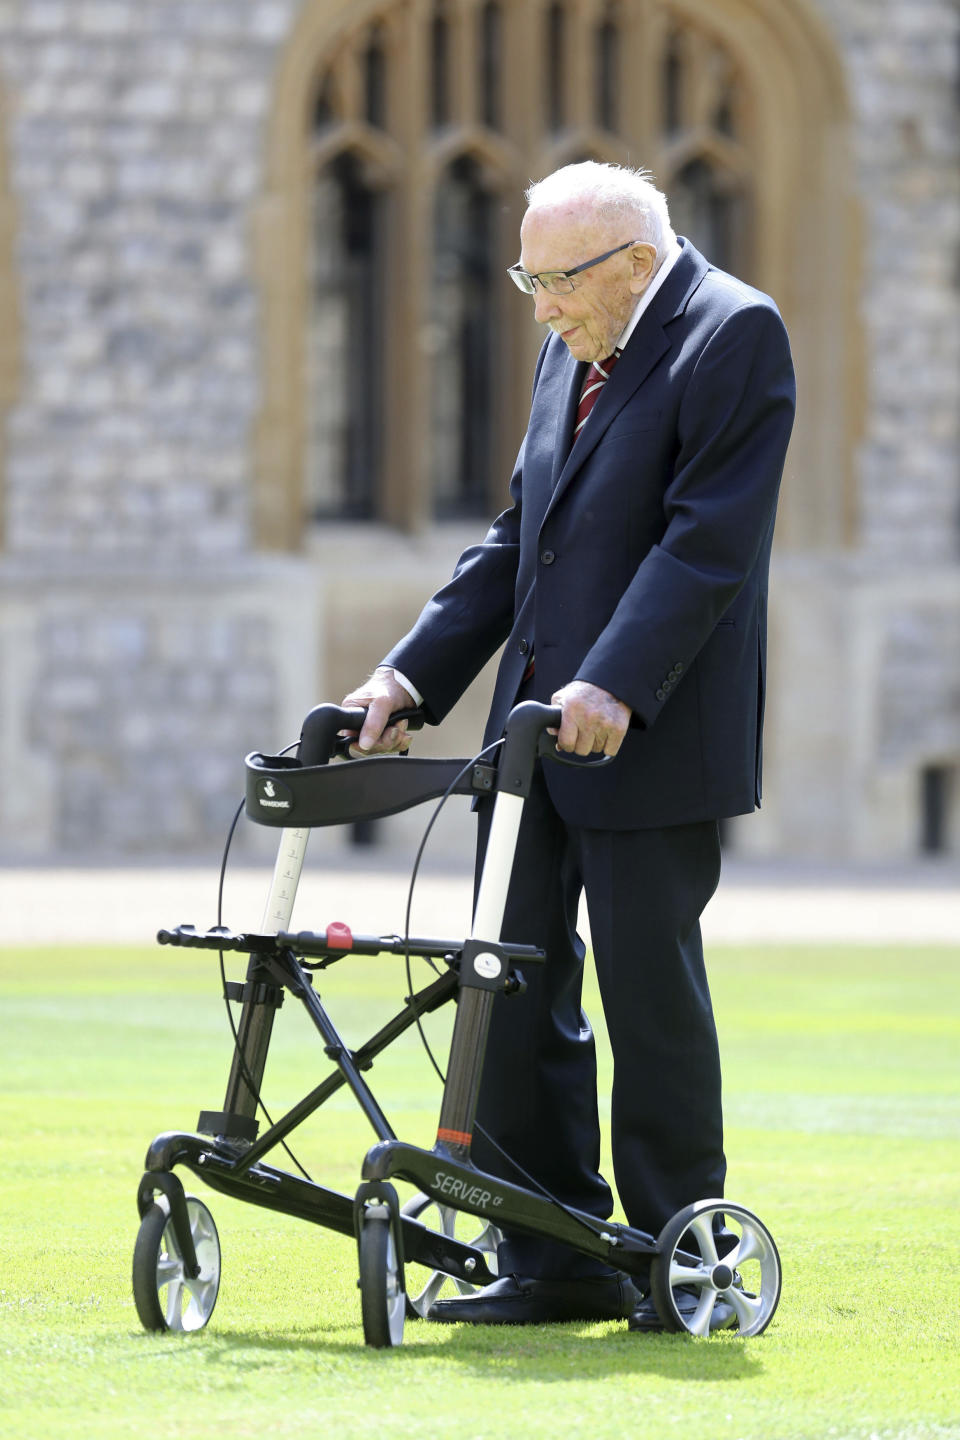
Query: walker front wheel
717 1267
383 1303
165 1296
445 1219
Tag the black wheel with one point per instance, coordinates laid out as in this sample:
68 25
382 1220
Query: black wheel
382 1301
445 1219
717 1268
165 1296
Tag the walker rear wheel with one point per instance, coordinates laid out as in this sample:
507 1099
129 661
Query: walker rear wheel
383 1303
717 1268
445 1219
165 1296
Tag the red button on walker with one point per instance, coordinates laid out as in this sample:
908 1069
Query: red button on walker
339 936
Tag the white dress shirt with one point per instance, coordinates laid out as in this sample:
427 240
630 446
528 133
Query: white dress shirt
666 265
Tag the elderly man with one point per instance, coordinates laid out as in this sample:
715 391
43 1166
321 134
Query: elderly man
628 580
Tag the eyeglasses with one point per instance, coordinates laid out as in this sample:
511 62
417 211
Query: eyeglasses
558 282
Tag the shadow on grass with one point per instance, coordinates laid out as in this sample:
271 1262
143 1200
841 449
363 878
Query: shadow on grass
557 1351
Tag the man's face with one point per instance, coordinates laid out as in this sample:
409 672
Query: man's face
589 320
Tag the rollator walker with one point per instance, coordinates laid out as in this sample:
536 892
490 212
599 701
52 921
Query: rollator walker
714 1248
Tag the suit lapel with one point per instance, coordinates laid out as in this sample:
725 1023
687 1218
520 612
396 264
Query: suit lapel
647 346
571 385
550 430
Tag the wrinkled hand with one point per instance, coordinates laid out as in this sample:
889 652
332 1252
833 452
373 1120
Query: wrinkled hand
593 720
381 697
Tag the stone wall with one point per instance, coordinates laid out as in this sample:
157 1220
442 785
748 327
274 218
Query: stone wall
902 597
145 645
902 59
135 132
130 700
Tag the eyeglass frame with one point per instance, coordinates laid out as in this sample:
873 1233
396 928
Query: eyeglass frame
517 271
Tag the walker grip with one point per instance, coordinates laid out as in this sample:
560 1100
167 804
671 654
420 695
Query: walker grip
525 739
318 737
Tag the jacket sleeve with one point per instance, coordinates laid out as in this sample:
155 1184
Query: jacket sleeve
733 428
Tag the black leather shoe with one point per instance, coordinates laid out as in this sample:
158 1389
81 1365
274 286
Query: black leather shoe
645 1316
516 1300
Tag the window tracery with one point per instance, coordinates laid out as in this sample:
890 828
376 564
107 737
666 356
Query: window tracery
416 200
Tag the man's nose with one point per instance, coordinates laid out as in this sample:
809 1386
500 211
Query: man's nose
545 307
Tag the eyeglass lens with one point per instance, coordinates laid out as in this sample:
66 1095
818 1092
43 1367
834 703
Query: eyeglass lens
554 283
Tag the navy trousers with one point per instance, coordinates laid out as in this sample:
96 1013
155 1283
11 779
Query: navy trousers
645 890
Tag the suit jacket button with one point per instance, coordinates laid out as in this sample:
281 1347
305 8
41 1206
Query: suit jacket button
679 667
673 677
523 647
661 694
547 557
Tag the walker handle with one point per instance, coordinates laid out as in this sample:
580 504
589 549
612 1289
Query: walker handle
318 737
547 750
524 740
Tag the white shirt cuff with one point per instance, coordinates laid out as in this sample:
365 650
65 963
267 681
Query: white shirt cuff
412 690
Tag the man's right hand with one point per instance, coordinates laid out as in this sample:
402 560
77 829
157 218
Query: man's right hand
381 697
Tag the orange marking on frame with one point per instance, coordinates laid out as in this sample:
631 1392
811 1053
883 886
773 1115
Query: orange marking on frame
455 1137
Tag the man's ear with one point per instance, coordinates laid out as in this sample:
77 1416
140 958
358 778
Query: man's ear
643 258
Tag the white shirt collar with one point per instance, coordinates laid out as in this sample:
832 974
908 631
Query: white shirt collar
666 265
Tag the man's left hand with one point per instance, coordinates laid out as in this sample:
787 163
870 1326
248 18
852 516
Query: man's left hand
593 720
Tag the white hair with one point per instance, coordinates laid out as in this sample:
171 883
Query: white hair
614 193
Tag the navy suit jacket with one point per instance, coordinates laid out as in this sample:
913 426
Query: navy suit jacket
637 559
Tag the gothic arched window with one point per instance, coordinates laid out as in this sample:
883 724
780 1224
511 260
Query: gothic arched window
707 204
345 345
403 289
401 199
490 49
557 53
607 52
375 78
708 166
463 303
440 65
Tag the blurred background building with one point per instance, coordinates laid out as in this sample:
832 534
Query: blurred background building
262 375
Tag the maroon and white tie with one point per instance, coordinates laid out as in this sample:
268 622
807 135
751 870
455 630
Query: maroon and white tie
597 377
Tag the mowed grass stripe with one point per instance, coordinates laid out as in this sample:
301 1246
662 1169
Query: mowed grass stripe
842 1092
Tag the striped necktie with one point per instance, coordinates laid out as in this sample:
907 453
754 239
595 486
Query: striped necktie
597 377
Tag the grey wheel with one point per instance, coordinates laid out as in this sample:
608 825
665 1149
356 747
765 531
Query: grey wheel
383 1304
446 1220
717 1268
165 1296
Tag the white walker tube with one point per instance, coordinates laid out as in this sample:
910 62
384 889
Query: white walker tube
286 878
497 867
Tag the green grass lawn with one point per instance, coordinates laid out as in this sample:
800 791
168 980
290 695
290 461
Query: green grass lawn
842 1078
